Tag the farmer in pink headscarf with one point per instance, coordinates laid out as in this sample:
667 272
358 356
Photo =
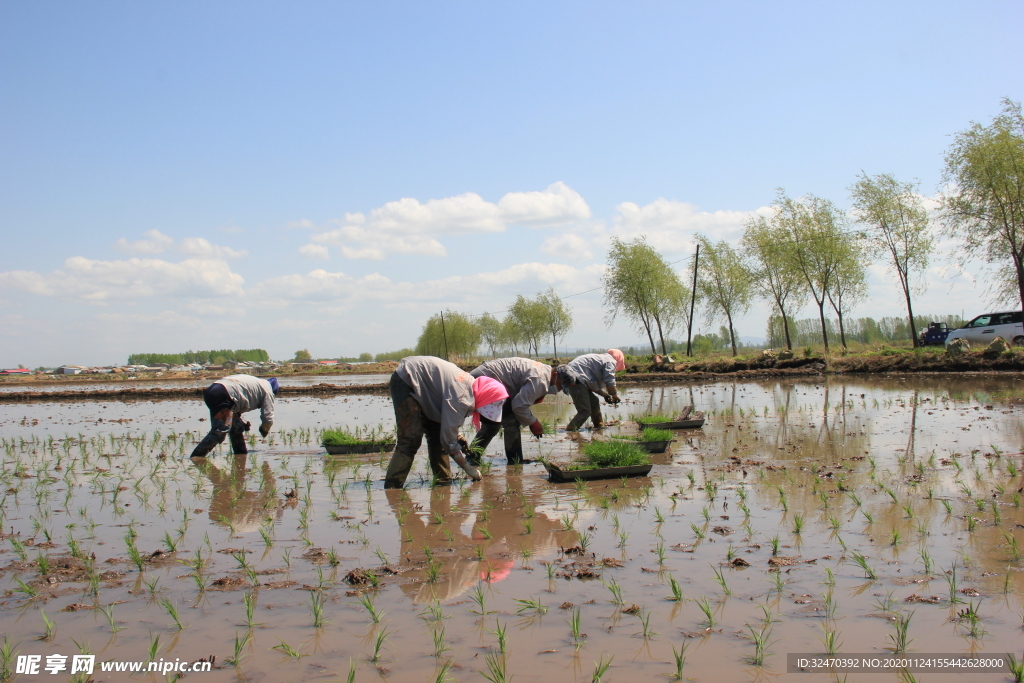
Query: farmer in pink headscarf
584 378
433 397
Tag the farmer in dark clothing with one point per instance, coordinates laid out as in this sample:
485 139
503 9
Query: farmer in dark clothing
432 398
527 383
586 377
227 399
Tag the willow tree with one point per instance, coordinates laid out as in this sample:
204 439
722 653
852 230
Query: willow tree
895 226
765 244
724 283
985 207
449 334
817 244
557 317
490 332
850 284
528 320
640 286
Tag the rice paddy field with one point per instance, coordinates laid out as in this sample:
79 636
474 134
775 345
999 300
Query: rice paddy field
870 515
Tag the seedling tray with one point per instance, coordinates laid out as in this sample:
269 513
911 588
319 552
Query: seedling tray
678 424
557 474
359 448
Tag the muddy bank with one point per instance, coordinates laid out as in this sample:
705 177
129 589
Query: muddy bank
164 393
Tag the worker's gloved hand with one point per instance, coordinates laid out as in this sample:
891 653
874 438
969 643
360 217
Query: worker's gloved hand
264 429
536 428
245 425
613 397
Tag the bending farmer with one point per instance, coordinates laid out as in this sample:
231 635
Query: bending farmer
527 382
433 397
586 377
227 399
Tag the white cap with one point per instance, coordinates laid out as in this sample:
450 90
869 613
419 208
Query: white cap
492 411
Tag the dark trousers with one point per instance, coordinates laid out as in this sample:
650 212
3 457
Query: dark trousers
217 399
488 430
588 405
411 426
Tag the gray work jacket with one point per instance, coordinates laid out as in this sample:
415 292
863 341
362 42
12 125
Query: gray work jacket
250 393
444 392
598 370
525 380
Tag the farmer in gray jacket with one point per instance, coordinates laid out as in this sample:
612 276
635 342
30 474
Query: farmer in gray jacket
527 382
586 377
432 398
227 399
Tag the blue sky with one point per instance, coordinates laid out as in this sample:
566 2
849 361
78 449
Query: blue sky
327 175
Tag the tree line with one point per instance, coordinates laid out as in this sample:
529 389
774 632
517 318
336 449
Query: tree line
527 325
201 357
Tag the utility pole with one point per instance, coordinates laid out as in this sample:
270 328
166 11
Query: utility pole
445 335
693 300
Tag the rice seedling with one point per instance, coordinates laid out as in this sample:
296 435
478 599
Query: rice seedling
677 591
1015 665
316 608
720 578
615 589
367 601
172 612
645 625
108 612
378 644
601 668
830 639
899 638
437 635
574 625
530 605
49 628
501 633
708 610
775 540
8 656
288 650
862 562
496 668
697 531
241 642
760 639
480 598
154 646
946 504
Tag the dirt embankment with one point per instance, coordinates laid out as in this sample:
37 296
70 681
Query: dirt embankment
162 393
637 374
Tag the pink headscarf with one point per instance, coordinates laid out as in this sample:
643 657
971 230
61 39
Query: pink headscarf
620 359
486 390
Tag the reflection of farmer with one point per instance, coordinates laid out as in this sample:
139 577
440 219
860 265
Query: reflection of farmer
586 377
234 505
227 399
527 382
433 397
441 529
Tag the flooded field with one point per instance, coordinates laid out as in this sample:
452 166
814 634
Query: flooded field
852 515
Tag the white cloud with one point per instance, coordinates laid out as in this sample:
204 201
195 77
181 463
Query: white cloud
157 243
568 246
669 225
497 286
316 251
201 248
557 205
98 281
407 226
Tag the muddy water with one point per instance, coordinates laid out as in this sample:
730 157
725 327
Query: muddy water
797 479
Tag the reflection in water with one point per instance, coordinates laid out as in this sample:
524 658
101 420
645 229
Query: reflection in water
458 537
232 503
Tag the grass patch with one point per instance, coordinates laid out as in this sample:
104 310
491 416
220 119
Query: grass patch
602 454
654 419
345 437
649 434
